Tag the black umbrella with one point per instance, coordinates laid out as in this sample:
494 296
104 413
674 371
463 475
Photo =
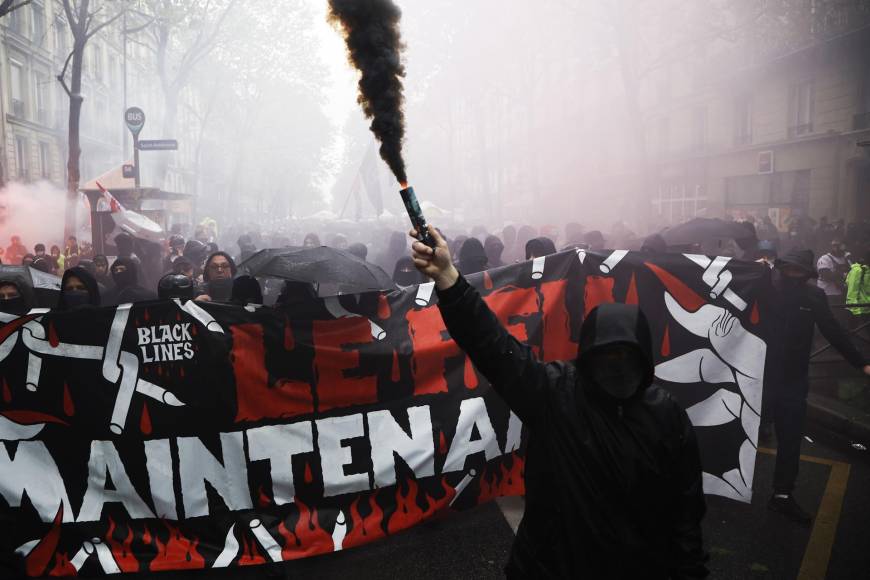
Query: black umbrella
45 287
333 271
703 231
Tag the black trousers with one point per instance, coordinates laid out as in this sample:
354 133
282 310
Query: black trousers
788 411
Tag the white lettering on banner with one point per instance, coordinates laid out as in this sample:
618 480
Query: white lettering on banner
165 343
387 437
472 413
105 459
230 479
334 456
278 444
158 462
33 471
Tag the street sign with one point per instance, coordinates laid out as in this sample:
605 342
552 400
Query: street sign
128 171
158 145
135 119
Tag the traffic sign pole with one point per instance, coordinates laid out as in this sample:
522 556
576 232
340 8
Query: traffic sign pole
135 119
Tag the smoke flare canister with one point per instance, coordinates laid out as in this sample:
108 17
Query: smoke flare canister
409 198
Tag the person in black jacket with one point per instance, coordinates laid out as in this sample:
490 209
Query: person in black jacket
78 289
613 473
798 308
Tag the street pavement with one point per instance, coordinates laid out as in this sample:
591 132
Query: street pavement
745 541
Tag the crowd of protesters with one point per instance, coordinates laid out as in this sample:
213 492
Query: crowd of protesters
137 269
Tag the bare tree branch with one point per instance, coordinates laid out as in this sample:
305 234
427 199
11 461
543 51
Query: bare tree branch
104 24
62 76
7 6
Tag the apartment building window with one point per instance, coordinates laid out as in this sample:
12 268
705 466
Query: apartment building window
38 23
44 161
699 128
21 155
60 42
743 120
801 109
16 21
43 86
678 201
16 72
98 62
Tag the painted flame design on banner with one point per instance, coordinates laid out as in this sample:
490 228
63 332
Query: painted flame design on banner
127 562
500 481
307 538
178 553
365 529
251 555
62 566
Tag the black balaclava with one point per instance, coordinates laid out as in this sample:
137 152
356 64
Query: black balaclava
621 327
220 290
17 306
406 274
127 278
73 299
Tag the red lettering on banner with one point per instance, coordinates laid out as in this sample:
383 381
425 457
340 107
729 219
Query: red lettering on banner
431 350
557 323
599 290
513 303
254 397
334 355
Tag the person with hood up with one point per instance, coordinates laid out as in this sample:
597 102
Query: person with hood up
195 252
311 240
472 257
654 244
405 273
78 289
494 248
16 296
798 307
613 474
125 275
537 247
359 250
218 274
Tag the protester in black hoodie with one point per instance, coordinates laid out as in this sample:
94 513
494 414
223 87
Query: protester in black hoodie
246 290
613 474
125 275
16 295
798 307
472 257
538 247
78 289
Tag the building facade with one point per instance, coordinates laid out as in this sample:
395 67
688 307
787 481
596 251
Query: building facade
34 110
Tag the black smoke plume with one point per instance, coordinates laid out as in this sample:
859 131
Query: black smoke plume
374 45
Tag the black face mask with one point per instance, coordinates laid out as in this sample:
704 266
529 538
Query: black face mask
124 279
76 298
220 290
619 379
13 306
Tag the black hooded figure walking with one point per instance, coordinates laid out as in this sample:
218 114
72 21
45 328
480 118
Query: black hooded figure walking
613 473
798 307
125 274
78 289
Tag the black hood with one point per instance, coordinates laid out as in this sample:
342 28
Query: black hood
128 278
542 246
803 259
25 301
87 279
611 324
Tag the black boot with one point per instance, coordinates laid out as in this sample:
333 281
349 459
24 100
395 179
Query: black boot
788 507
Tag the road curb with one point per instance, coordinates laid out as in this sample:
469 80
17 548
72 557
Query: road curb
839 417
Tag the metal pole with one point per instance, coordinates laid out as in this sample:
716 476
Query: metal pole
136 159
